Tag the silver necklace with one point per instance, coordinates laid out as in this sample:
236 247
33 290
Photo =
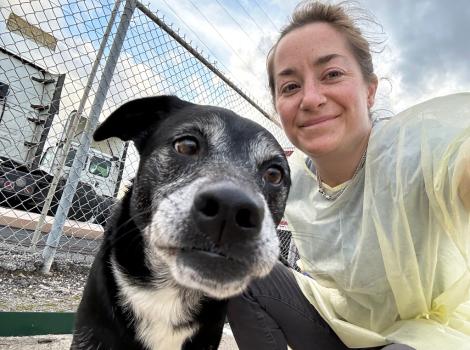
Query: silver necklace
332 197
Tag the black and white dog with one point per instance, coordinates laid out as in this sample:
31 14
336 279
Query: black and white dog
198 224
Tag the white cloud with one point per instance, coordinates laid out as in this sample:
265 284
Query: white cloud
427 48
238 55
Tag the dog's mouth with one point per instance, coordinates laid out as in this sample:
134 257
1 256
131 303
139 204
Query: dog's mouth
210 270
203 252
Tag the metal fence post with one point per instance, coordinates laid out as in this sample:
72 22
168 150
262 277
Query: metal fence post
85 142
70 128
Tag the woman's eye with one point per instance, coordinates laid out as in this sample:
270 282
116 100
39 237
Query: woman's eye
186 145
288 88
273 175
334 74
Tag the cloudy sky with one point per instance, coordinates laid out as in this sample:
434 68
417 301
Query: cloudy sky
426 49
426 52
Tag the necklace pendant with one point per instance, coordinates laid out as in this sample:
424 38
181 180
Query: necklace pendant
325 195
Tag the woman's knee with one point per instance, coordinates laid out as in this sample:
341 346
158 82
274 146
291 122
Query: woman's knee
249 299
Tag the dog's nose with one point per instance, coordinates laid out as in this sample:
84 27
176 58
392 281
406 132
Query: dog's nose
227 213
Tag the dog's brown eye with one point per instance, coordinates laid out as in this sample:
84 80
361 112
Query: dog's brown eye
187 146
273 175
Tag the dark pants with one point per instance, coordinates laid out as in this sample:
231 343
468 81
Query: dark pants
273 312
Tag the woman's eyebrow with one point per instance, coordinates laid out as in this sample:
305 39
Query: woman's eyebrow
286 72
318 62
326 58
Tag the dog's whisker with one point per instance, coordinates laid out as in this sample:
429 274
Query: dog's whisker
119 228
123 234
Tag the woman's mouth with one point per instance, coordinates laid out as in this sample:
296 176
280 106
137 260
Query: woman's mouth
317 121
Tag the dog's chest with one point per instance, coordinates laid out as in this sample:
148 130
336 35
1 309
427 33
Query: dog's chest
161 316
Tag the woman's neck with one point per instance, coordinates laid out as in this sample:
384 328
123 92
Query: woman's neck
335 169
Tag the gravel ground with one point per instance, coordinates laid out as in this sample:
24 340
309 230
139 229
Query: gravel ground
30 290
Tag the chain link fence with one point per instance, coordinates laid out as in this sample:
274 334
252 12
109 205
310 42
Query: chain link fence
64 67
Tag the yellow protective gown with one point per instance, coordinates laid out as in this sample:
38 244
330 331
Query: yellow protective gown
389 259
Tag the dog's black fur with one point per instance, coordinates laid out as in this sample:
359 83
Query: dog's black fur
197 225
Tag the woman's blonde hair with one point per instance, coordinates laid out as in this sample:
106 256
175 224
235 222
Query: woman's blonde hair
337 16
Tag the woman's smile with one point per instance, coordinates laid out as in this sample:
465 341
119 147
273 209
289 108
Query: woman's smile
317 121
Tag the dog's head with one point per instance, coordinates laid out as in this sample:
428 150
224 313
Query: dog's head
209 192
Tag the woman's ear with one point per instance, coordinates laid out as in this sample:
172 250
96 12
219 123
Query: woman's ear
371 90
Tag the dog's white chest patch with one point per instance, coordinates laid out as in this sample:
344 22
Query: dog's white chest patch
157 314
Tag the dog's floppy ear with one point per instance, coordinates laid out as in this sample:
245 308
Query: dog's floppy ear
135 119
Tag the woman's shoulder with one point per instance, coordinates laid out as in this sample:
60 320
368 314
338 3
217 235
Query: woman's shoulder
453 106
435 121
451 112
414 142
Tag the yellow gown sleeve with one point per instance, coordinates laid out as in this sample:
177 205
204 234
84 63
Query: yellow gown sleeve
424 236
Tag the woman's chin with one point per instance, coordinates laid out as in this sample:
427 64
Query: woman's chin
317 149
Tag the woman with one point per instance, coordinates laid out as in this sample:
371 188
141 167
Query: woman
378 210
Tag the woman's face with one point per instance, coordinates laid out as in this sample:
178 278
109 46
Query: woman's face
320 93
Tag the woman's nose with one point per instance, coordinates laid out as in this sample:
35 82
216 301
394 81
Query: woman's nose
313 97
